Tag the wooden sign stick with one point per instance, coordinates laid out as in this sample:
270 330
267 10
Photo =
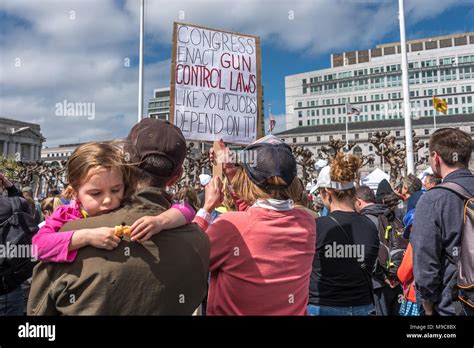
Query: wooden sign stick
219 157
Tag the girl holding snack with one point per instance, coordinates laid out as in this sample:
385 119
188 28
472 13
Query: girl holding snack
99 180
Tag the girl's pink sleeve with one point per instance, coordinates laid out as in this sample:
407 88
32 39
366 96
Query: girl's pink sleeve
51 245
186 209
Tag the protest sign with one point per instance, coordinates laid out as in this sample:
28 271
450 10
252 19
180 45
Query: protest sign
216 90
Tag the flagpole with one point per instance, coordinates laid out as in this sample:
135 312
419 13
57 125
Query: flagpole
434 120
140 64
269 118
347 132
406 92
383 159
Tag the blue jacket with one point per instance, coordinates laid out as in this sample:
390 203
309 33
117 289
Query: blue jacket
413 200
437 232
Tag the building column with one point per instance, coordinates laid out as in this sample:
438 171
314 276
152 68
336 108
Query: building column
5 148
32 152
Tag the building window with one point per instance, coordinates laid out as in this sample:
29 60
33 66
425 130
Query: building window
371 148
294 140
357 136
300 123
357 151
397 133
343 137
427 131
318 138
331 137
306 139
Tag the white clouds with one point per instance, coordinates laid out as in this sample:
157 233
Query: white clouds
75 24
313 26
75 49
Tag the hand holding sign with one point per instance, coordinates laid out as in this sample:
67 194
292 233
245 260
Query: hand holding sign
219 156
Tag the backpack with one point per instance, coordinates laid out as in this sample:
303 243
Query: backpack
17 228
392 244
463 283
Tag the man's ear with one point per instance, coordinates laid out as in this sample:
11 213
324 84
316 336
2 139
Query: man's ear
436 158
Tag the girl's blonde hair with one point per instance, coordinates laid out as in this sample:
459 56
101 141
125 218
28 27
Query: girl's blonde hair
249 192
95 156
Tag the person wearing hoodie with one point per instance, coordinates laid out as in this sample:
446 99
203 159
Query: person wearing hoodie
437 238
387 196
386 292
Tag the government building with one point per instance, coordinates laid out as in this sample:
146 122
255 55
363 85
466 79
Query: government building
371 81
20 140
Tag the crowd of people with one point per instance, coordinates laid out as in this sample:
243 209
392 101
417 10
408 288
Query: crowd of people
254 242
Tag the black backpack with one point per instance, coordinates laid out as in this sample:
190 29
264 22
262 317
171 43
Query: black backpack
17 228
392 245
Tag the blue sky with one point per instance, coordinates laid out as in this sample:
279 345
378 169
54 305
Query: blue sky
56 50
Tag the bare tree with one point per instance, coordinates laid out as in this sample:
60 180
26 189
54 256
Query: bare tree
38 174
395 155
304 158
193 166
334 146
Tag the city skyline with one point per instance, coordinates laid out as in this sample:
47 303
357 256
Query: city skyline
56 53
